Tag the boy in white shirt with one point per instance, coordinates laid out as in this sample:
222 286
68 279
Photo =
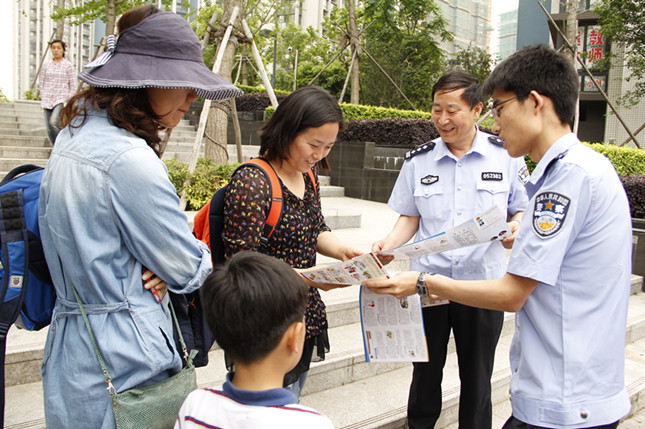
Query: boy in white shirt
254 305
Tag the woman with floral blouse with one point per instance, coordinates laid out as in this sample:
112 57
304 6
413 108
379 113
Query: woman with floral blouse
297 138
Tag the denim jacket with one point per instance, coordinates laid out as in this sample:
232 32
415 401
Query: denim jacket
107 209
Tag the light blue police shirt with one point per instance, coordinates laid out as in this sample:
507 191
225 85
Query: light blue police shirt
106 209
568 352
445 192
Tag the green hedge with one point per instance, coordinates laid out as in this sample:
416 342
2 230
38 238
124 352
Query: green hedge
627 161
254 89
208 177
358 111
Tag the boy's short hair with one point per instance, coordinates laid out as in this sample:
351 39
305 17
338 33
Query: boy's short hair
455 80
250 301
541 69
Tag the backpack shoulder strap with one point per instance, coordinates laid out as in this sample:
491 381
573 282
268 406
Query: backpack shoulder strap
314 180
275 189
15 257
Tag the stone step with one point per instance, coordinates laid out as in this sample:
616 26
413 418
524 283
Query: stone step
38 141
24 152
21 130
7 165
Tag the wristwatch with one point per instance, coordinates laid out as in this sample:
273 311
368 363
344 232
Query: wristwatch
422 289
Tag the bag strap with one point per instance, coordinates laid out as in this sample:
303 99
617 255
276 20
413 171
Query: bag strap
275 189
15 257
21 169
188 357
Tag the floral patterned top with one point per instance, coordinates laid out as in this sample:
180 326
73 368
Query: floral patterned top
294 240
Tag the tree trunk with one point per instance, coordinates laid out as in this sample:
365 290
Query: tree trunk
245 70
571 28
110 17
60 25
216 145
571 32
355 47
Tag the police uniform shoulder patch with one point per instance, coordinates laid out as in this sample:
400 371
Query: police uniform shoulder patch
426 147
496 141
550 213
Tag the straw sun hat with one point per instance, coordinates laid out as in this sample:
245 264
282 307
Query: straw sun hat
162 51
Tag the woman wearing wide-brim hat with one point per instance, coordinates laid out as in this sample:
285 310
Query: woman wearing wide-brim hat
107 210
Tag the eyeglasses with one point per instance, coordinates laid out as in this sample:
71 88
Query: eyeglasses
494 109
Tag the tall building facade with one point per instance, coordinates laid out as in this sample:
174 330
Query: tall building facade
507 37
469 21
597 121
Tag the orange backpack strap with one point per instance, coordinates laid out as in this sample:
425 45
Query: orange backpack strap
312 176
201 227
275 189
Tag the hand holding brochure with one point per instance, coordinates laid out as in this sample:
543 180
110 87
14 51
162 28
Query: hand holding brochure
489 226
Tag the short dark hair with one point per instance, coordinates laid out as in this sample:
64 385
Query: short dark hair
457 79
63 44
307 107
541 69
250 301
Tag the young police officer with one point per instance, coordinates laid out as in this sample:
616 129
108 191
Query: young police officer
568 277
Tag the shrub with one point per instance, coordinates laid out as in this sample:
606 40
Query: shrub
635 189
390 132
207 178
353 112
253 89
255 101
628 161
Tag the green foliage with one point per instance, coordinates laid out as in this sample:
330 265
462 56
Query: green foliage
207 178
177 173
95 9
357 112
626 160
414 28
31 95
476 61
255 89
3 98
623 21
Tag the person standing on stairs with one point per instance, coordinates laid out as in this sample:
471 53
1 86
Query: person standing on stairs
569 274
296 139
442 184
57 84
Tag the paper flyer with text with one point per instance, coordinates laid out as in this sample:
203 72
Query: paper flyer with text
488 226
392 328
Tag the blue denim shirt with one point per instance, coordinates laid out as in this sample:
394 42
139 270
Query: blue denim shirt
106 209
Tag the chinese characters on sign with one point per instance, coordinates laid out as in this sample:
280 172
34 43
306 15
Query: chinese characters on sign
591 46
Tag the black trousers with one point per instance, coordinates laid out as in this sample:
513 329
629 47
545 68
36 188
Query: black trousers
476 332
513 423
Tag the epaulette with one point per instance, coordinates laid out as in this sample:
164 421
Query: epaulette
426 147
496 141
